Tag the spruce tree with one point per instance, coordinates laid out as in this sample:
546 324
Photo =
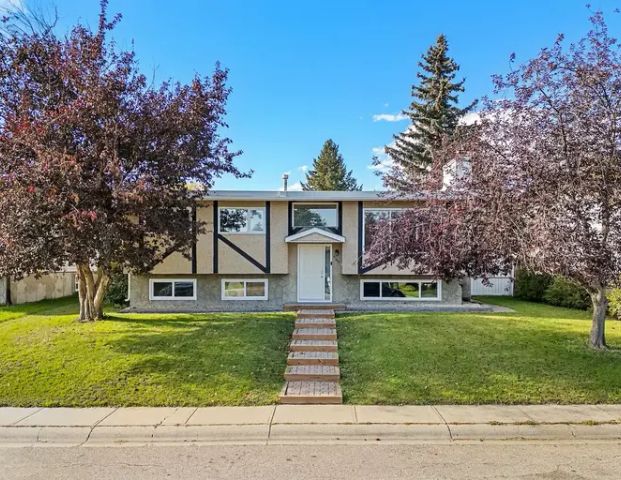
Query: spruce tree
433 113
329 171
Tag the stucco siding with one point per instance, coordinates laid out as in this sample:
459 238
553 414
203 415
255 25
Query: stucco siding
349 261
279 230
204 241
3 284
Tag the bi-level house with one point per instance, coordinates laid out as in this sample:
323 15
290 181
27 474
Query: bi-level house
269 250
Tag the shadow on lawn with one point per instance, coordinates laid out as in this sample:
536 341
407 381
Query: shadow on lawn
205 359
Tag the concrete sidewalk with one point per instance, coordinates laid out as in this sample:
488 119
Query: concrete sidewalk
290 424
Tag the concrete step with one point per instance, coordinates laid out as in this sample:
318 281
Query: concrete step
295 307
314 334
325 373
311 393
313 346
316 313
313 358
315 322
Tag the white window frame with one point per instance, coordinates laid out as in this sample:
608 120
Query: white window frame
364 219
244 281
293 205
247 232
401 299
173 280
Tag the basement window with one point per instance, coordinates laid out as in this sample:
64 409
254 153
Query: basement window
400 290
165 289
241 289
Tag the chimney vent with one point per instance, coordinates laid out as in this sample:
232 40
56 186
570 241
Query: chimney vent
285 178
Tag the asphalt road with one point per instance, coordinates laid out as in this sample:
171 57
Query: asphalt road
525 461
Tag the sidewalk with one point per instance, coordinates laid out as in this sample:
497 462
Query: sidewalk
290 424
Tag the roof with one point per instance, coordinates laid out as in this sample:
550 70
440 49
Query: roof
334 196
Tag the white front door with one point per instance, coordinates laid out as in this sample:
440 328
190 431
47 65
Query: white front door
314 273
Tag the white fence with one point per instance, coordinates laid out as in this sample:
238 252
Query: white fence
499 286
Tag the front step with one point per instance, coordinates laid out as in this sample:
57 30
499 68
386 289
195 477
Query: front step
314 334
313 358
324 373
311 393
316 314
296 307
315 322
313 346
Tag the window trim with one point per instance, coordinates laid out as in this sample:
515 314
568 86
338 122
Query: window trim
293 205
438 298
223 296
152 297
364 220
220 208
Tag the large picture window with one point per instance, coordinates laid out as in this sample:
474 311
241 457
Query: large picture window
400 290
165 289
238 289
241 220
307 215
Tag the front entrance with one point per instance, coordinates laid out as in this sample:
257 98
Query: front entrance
314 272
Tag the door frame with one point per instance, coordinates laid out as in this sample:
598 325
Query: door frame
331 275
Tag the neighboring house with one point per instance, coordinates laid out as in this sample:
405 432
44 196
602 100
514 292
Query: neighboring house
265 250
32 289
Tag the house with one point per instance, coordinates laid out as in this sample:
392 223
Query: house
269 250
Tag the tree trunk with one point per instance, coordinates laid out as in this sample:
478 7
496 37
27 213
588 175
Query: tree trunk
91 292
600 306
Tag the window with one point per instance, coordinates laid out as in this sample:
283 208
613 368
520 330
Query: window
315 215
400 290
165 289
373 218
234 289
241 220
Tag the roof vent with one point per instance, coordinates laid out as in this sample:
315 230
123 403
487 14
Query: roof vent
285 179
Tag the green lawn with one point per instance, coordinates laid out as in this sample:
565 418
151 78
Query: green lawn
48 359
536 355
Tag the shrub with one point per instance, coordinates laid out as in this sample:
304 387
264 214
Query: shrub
565 293
531 286
117 290
614 303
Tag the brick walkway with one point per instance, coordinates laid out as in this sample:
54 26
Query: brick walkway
313 375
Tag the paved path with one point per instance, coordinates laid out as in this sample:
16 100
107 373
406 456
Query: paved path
491 461
307 424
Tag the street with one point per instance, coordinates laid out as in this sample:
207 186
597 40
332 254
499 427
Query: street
550 461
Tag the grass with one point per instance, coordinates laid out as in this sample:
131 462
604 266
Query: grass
49 359
536 355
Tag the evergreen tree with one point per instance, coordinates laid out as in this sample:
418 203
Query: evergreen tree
329 171
433 113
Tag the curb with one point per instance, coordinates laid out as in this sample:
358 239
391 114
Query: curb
282 434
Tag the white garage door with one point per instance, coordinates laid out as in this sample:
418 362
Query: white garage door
499 286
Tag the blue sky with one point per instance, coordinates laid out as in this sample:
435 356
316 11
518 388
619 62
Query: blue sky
306 71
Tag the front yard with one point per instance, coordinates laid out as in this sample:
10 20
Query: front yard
48 359
536 355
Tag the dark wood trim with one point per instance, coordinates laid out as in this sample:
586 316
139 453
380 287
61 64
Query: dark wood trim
242 253
194 239
360 221
215 237
268 236
290 218
339 228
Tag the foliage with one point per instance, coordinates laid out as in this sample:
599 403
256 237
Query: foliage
614 303
545 184
531 286
535 355
94 160
329 171
433 114
117 290
565 293
47 359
